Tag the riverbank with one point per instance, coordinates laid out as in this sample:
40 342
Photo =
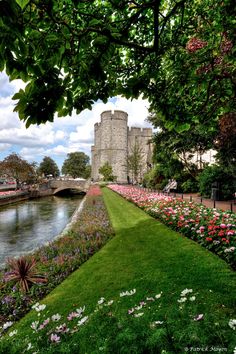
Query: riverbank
89 231
21 195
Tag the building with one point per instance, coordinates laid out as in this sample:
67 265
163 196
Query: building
114 141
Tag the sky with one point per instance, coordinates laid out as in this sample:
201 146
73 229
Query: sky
64 135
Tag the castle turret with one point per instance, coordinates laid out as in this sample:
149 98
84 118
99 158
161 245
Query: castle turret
114 143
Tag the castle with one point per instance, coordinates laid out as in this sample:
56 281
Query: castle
114 141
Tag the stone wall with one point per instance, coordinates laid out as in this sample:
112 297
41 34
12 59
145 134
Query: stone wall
114 142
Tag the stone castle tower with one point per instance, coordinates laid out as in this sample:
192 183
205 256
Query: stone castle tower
114 142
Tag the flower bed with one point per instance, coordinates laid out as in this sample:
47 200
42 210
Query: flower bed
213 229
59 258
6 194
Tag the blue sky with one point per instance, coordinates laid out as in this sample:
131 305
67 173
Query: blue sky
64 135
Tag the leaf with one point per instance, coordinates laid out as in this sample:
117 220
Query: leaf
100 40
94 22
182 127
22 3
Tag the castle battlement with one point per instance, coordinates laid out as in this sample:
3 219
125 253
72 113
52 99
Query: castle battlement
117 115
97 125
140 131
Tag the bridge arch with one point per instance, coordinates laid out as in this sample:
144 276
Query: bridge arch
58 185
63 189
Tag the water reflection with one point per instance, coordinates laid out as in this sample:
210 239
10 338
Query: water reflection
27 225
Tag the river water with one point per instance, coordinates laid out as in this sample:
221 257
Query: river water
27 225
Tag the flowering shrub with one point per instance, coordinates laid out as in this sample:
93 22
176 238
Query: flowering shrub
117 322
59 258
213 229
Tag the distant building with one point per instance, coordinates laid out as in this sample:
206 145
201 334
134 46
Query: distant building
114 141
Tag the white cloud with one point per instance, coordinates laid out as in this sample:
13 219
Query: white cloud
64 135
4 147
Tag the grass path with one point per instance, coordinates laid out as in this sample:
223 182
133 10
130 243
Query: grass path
149 257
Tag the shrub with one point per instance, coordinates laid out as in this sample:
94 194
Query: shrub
215 173
23 272
190 185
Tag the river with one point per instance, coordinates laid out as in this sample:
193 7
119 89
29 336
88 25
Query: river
27 225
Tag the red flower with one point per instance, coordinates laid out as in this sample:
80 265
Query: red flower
209 239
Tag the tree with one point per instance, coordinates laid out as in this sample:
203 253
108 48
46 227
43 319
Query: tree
134 162
76 165
225 143
106 172
14 166
178 54
49 167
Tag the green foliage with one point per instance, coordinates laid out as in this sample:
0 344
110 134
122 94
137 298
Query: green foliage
22 271
154 178
217 173
49 167
134 162
106 172
179 55
76 165
190 185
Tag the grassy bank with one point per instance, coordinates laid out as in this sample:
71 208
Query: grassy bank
147 290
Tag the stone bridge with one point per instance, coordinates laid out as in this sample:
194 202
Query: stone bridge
59 185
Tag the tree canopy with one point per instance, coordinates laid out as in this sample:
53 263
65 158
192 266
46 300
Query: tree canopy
180 54
107 172
14 166
76 165
49 167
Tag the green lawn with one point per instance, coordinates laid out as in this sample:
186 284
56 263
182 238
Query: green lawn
147 256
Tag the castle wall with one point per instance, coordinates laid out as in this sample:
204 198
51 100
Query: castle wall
141 137
114 141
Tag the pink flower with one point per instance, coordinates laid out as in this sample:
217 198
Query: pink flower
55 338
198 317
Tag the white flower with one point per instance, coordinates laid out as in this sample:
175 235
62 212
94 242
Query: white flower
12 333
156 323
186 291
29 346
183 299
40 308
101 301
128 293
82 321
232 324
56 317
150 299
110 302
192 298
138 314
235 350
138 307
80 311
158 295
35 305
7 325
34 325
